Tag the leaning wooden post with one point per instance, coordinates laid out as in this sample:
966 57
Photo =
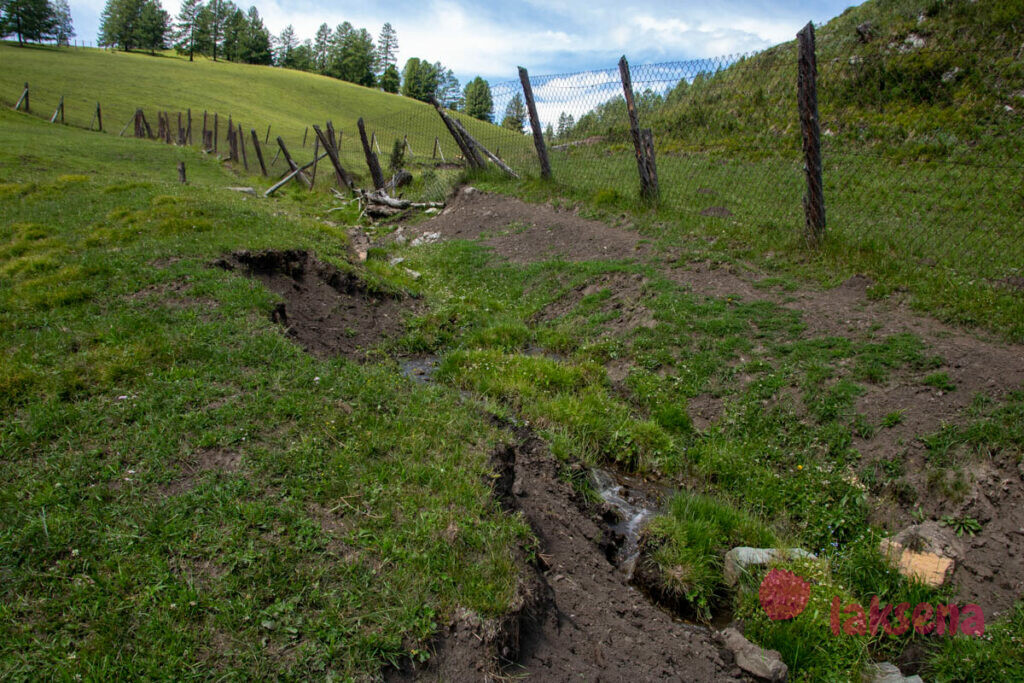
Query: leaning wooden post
333 143
214 132
259 152
23 99
266 140
181 172
538 134
99 116
477 147
305 133
291 164
406 147
807 100
241 143
59 111
468 154
332 154
648 186
371 158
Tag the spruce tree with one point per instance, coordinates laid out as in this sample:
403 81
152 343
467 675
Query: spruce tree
30 20
390 80
478 101
186 27
515 114
63 28
387 48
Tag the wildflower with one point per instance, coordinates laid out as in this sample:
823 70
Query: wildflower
799 467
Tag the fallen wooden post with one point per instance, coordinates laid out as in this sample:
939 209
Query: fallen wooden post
371 158
538 134
291 163
284 181
476 146
332 154
259 152
468 154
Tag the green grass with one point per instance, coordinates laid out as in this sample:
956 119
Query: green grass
255 96
344 531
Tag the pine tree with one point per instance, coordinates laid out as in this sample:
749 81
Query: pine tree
478 101
448 92
390 80
154 23
120 24
355 58
186 27
285 45
214 15
321 47
257 48
30 20
387 48
64 28
515 114
236 27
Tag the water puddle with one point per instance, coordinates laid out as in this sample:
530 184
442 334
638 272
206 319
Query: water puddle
420 369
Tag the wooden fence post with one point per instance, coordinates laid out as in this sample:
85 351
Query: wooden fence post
807 100
214 132
241 143
59 111
371 158
304 134
291 164
266 140
259 152
188 129
538 133
316 158
99 116
332 154
23 99
181 172
644 151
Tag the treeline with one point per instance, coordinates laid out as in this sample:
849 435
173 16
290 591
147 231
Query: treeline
35 21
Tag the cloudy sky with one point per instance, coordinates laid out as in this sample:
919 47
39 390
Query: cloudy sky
546 36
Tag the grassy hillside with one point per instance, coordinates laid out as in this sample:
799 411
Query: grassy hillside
256 96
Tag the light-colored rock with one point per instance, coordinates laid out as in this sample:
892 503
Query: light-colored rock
927 552
739 560
765 664
886 672
244 190
398 259
432 211
413 274
425 238
951 75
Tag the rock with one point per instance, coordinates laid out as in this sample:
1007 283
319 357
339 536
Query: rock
244 190
425 238
469 189
951 75
739 560
866 32
432 211
926 551
765 664
886 672
398 259
912 42
413 274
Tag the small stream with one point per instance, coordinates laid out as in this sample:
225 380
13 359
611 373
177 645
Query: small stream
636 502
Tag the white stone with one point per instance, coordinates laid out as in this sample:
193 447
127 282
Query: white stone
757 661
739 560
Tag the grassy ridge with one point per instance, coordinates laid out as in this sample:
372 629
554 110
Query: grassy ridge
255 96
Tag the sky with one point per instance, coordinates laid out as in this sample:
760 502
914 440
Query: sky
545 36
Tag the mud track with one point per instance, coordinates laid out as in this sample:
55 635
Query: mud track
577 617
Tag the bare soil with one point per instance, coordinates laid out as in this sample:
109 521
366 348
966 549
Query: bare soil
327 311
526 233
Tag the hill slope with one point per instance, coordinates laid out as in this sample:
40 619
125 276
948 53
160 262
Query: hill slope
257 96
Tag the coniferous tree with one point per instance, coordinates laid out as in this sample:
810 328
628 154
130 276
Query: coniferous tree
257 48
478 101
515 114
357 58
30 20
448 91
212 19
186 27
154 24
387 48
321 47
390 80
284 47
63 28
419 79
302 56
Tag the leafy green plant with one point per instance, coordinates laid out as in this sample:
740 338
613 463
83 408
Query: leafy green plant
961 525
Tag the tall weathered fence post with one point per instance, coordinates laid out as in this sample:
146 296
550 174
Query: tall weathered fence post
371 158
538 134
643 141
99 117
241 144
214 132
259 152
181 172
807 100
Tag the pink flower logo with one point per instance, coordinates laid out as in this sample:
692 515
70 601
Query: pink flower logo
783 594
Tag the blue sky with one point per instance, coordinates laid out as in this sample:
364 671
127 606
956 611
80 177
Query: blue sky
546 36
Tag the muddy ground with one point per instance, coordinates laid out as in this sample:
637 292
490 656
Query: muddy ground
327 311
